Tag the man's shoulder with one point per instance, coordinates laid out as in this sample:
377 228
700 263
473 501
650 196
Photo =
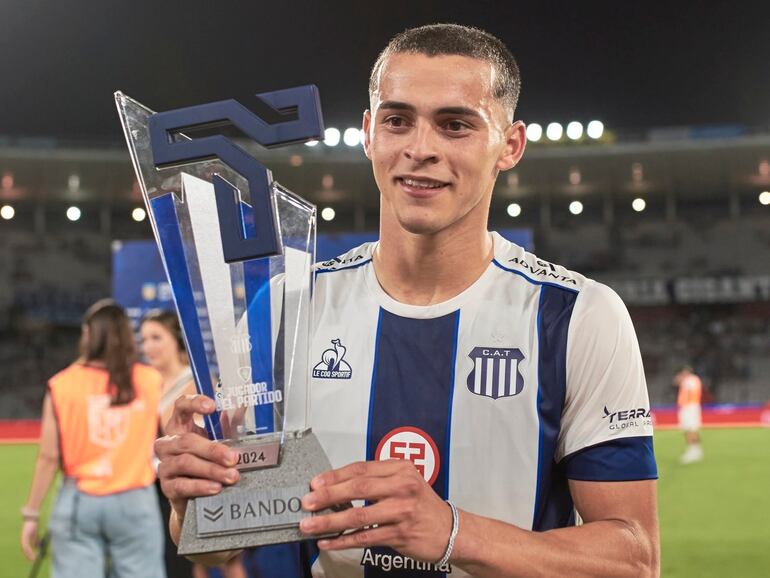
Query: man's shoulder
353 259
514 259
596 301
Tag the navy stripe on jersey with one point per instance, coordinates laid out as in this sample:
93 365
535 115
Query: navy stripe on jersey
279 561
553 503
620 460
412 386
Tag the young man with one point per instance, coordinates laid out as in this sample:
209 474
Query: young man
688 401
500 383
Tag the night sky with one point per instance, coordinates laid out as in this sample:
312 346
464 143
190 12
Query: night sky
633 65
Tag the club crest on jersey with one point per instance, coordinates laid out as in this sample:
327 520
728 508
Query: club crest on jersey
333 364
495 372
413 444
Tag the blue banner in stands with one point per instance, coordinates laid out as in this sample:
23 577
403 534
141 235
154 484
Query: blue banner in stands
139 282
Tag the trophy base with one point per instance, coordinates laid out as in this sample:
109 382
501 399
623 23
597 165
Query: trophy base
262 508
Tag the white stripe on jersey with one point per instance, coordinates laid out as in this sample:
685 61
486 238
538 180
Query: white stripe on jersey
494 457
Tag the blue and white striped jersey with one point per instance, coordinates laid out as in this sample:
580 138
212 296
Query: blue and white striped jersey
528 378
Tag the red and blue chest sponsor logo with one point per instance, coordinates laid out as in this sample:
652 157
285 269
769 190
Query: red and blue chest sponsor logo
413 444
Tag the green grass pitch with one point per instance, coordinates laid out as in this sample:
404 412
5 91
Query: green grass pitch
714 515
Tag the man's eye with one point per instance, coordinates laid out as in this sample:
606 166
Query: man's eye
395 121
455 126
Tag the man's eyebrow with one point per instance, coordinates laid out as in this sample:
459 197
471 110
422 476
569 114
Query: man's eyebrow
444 110
396 105
458 111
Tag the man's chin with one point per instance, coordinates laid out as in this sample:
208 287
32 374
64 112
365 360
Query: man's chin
421 226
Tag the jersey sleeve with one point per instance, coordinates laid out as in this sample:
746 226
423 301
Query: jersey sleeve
606 428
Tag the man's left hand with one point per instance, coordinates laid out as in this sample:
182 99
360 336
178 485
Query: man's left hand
403 511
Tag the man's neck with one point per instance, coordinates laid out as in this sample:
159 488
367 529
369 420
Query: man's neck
428 269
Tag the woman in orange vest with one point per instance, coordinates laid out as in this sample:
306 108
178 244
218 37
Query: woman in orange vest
100 419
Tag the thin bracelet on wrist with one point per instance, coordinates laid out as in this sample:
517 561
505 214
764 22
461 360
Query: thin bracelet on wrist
452 536
29 514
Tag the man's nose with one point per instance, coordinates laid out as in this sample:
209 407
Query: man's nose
422 146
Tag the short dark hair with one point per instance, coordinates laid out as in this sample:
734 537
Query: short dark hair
454 39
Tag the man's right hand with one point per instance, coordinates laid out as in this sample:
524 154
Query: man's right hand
191 465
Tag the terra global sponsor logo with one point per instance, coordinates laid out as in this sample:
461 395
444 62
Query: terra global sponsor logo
624 419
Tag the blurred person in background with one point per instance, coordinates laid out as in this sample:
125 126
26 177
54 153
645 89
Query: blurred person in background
99 422
164 349
688 401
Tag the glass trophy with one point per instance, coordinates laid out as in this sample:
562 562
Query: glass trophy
238 250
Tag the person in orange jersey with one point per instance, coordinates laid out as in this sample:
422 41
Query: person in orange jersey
164 349
100 419
689 400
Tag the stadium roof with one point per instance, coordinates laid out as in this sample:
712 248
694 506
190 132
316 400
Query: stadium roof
631 64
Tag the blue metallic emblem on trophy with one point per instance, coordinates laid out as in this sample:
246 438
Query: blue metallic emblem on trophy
238 250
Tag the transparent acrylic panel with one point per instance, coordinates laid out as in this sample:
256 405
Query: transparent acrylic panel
246 324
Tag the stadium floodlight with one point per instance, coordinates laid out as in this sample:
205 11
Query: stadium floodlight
534 132
311 143
7 212
574 130
595 129
554 131
764 198
576 207
514 210
331 137
638 205
328 214
73 182
73 213
138 214
352 137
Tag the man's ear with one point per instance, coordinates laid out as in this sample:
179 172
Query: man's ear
365 125
515 142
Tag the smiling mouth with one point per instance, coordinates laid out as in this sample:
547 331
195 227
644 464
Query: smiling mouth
421 184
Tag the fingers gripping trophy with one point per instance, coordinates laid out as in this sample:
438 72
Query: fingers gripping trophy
237 248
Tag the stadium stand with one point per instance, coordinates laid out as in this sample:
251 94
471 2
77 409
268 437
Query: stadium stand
693 268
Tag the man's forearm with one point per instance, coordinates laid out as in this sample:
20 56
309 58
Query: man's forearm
489 548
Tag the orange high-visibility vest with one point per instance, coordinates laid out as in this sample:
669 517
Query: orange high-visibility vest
689 390
106 449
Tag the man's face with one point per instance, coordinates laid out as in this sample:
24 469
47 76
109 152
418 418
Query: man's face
437 139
